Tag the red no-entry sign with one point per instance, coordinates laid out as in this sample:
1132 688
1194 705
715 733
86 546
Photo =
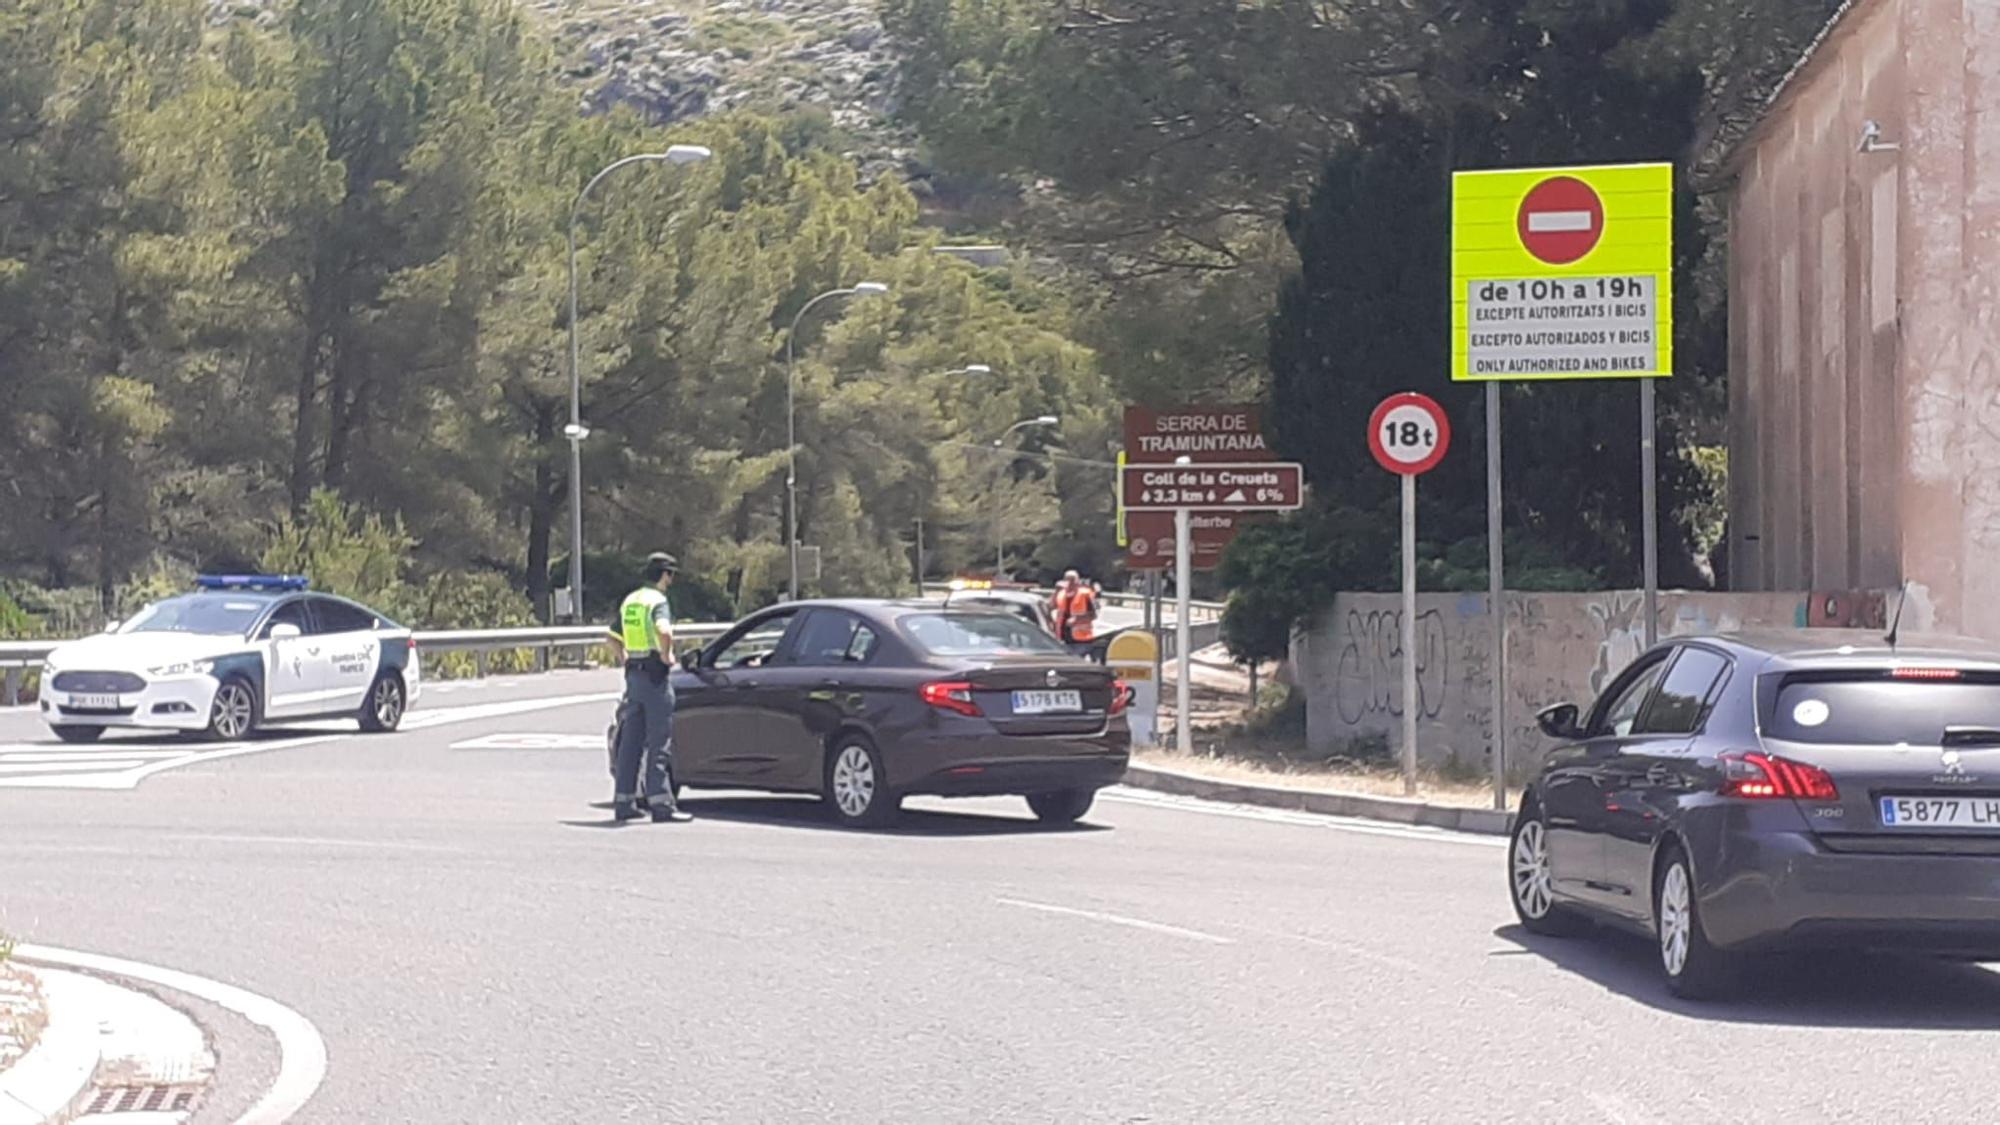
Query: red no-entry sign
1561 220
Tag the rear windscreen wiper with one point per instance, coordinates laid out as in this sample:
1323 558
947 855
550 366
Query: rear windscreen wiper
1971 736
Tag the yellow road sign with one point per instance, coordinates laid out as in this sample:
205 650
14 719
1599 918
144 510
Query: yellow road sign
1563 273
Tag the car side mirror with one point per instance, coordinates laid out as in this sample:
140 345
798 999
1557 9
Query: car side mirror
1560 721
112 626
284 632
691 659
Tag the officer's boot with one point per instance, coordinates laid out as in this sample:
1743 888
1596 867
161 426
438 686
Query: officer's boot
624 808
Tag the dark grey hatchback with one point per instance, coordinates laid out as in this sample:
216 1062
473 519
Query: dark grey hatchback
867 702
1731 796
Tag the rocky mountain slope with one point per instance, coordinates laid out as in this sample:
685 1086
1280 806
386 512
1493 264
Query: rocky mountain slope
675 59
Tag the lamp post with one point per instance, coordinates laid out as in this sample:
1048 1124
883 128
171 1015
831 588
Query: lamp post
576 431
999 464
860 289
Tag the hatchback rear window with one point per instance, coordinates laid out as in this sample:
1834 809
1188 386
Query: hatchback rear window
1878 710
978 634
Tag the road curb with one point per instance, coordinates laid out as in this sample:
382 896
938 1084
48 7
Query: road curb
1396 810
51 1083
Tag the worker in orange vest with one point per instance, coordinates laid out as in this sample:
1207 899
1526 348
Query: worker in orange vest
1076 613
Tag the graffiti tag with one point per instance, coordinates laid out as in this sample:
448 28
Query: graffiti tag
1370 678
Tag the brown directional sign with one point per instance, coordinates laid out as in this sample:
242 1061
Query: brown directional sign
1269 486
1227 433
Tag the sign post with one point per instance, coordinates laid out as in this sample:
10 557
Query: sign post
1496 594
1409 434
1562 273
1183 631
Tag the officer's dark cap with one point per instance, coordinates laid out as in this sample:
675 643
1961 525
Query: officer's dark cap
659 563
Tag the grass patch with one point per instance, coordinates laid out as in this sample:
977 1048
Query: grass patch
741 36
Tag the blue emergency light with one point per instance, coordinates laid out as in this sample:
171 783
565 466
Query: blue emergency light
252 582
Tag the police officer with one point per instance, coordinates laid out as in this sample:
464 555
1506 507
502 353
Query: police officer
646 723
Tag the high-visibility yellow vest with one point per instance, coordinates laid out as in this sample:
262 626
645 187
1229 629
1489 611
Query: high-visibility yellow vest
636 621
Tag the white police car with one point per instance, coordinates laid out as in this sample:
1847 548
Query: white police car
242 651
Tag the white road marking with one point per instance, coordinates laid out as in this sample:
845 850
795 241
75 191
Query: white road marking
15 767
424 720
8 755
314 842
301 1051
1300 819
110 767
1557 222
532 742
1118 920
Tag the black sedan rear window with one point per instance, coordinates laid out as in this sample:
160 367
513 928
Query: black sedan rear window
1878 710
978 634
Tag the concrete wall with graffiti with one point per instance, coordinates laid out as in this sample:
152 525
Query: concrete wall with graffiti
1560 647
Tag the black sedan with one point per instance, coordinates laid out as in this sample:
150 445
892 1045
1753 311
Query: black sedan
1810 789
867 702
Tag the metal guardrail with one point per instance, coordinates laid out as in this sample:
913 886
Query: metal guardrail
16 657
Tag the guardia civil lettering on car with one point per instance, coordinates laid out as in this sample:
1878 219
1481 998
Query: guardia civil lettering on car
239 652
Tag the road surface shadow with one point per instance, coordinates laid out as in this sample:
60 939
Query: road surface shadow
1803 989
807 812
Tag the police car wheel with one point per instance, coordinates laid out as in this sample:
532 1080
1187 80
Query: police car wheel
233 714
383 711
78 734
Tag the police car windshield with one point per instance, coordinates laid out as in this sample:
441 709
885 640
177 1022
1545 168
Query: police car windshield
979 634
208 614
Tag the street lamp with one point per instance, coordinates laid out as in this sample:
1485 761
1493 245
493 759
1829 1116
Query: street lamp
576 431
999 464
859 289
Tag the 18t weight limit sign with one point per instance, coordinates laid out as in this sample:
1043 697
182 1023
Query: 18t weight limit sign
1409 434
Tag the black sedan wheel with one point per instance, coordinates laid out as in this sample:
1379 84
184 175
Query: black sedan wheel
1531 880
856 785
1063 806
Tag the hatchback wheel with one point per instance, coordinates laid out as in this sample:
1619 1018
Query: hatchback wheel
233 715
1061 806
857 786
1531 880
383 711
1695 969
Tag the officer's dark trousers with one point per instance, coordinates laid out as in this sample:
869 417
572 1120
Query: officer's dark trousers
646 732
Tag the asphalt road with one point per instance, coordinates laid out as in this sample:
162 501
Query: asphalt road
476 945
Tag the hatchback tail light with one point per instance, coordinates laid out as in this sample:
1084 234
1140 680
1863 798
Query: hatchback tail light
1121 696
951 695
1767 776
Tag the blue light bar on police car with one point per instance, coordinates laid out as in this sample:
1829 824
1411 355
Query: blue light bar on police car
251 582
